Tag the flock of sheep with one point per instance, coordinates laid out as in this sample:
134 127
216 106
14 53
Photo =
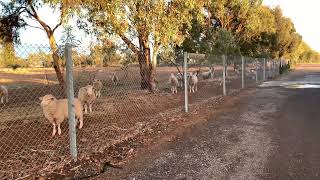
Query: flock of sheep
56 110
176 81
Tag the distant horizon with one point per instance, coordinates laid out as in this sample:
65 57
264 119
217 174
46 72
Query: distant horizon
304 15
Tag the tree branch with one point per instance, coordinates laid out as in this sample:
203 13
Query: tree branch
35 15
133 47
35 27
61 16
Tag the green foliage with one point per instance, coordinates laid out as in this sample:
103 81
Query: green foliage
105 54
158 21
39 59
68 36
248 28
225 43
10 22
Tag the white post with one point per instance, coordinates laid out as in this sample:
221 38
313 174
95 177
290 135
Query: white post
185 64
70 94
264 69
242 75
257 68
224 75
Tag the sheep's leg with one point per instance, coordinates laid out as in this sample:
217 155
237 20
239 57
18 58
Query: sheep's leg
196 86
80 122
7 99
54 131
85 108
59 129
2 100
90 108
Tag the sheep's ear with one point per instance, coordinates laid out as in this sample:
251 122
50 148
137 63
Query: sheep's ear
40 98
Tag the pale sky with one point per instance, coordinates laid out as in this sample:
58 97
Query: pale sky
304 14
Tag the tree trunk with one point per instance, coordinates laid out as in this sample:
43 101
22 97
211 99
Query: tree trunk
147 70
56 63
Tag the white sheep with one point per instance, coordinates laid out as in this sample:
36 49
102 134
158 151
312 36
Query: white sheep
115 79
193 82
4 94
97 86
87 97
173 80
56 111
208 74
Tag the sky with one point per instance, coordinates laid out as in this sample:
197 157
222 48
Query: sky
304 15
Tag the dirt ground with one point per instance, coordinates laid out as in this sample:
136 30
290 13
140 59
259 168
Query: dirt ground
122 120
262 133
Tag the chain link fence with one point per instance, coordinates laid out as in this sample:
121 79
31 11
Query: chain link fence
119 106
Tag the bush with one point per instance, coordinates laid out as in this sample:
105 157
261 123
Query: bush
14 66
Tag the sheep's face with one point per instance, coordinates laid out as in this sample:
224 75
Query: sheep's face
46 100
90 90
96 80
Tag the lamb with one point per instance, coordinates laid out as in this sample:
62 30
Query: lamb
193 82
115 79
173 80
4 94
208 74
87 97
56 111
97 86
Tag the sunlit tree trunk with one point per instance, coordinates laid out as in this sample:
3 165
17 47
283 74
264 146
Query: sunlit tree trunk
55 58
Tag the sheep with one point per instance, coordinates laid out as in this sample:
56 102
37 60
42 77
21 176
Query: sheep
115 79
97 86
87 97
208 74
56 111
4 94
193 82
173 80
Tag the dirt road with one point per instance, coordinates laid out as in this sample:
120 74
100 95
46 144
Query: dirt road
272 133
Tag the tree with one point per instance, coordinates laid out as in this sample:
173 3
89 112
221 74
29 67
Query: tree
39 59
285 40
30 9
10 23
68 36
151 23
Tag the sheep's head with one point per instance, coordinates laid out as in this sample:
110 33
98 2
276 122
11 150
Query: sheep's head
47 99
96 80
89 89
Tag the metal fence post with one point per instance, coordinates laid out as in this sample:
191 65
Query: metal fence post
242 74
264 69
256 70
185 64
224 75
70 94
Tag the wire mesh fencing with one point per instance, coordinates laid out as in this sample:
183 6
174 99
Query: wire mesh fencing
113 102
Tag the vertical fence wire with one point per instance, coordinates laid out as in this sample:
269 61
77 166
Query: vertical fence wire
224 75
